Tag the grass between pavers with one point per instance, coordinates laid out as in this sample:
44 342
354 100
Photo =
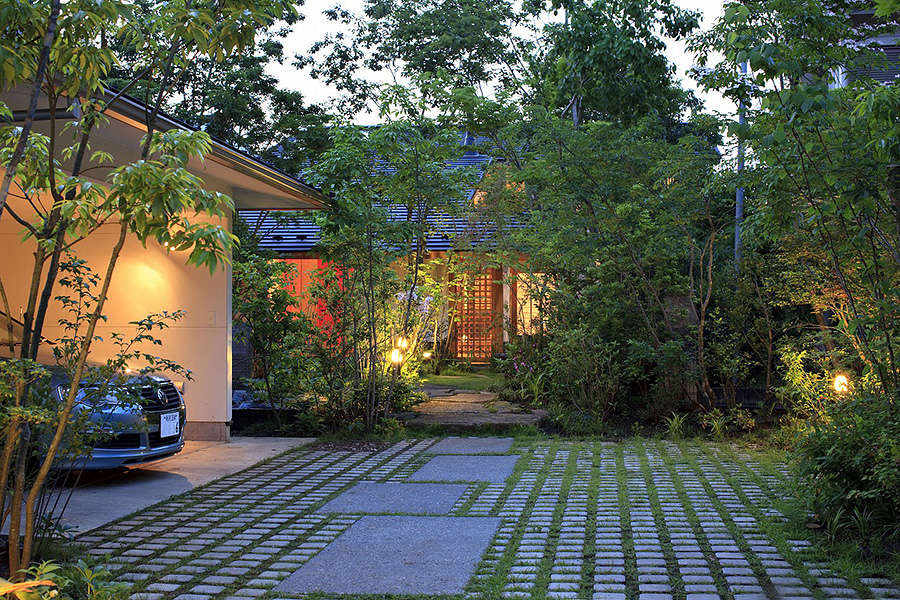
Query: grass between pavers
181 568
820 559
549 471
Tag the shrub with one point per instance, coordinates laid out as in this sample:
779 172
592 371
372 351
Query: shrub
850 463
676 425
790 431
741 419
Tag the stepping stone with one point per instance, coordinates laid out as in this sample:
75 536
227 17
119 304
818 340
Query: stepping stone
397 555
458 445
493 469
408 498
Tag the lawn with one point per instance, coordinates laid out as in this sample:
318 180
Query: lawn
467 381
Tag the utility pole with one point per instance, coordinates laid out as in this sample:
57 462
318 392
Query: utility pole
739 194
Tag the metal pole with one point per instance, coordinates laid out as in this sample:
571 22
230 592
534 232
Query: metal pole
739 194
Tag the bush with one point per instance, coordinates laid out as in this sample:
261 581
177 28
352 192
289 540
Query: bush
571 370
676 425
850 463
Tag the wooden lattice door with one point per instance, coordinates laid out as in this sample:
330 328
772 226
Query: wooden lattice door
474 327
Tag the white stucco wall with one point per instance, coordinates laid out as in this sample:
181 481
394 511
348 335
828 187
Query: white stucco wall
148 280
153 279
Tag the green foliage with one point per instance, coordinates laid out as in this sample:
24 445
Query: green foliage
375 298
716 423
886 7
720 424
275 327
50 51
822 202
39 582
849 466
676 425
458 42
789 432
262 118
83 581
585 373
825 161
741 419
621 253
605 61
573 422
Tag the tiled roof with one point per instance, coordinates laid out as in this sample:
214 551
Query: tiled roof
289 234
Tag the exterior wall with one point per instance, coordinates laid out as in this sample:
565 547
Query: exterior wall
148 280
304 278
486 316
527 317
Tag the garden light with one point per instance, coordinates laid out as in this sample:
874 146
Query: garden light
396 356
426 355
402 343
841 384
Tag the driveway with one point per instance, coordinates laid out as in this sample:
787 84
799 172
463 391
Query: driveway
483 518
103 496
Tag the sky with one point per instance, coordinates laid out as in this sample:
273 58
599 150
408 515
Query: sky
314 27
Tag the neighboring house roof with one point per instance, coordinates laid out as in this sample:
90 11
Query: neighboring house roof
255 184
299 235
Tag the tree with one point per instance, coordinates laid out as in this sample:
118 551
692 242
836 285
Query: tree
154 198
233 99
390 186
824 186
273 324
466 43
605 61
825 158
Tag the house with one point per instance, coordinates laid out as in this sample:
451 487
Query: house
884 71
493 304
153 278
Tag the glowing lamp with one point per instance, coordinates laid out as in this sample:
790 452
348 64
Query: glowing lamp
426 355
841 384
402 343
396 356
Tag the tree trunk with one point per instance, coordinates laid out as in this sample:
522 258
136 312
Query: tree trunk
43 62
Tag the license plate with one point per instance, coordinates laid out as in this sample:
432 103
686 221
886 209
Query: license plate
168 424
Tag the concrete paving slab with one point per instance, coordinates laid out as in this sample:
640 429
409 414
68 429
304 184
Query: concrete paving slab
397 555
493 469
408 498
472 445
101 497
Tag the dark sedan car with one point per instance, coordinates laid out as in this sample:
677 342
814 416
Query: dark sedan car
143 420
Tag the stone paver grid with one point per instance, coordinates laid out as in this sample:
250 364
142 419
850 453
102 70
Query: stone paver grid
640 520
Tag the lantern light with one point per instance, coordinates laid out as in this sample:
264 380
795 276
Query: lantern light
841 384
402 343
426 355
396 356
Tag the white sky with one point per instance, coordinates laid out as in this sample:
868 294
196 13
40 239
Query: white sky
315 26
